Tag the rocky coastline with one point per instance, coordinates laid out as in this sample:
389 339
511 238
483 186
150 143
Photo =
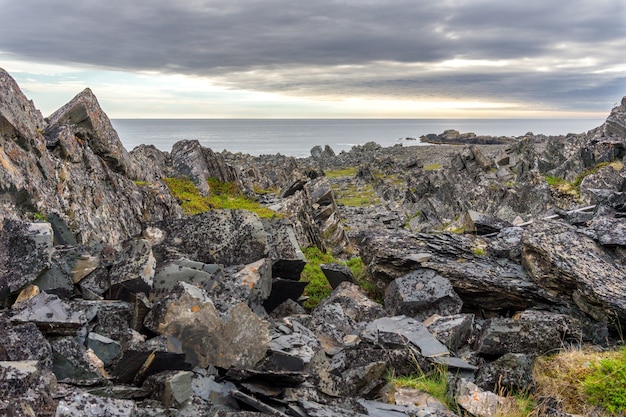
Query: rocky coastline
481 254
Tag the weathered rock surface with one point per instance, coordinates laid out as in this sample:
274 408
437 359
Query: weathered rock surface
114 300
568 263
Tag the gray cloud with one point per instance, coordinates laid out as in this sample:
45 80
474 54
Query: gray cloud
389 48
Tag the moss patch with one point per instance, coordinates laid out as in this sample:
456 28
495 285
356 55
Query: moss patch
223 195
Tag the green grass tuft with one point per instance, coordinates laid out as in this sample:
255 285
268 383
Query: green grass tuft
606 384
345 172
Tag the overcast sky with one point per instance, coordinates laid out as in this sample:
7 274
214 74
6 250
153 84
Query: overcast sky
320 58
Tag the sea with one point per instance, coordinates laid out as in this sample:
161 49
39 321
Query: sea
296 137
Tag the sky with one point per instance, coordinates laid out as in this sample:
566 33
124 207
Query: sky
320 58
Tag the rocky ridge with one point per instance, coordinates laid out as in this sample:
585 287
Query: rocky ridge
113 300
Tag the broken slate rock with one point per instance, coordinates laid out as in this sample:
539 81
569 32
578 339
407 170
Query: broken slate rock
336 274
172 388
283 290
453 331
191 272
477 401
511 372
25 252
241 340
21 342
421 294
26 389
106 349
73 364
483 224
51 314
80 403
407 329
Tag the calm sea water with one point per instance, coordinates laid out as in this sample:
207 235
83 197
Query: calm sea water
297 137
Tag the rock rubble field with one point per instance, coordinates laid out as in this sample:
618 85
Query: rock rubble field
480 254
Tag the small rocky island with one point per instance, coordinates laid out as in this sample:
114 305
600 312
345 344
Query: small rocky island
125 290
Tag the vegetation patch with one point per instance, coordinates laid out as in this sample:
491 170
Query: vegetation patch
434 383
354 195
432 167
139 183
582 379
223 195
318 287
345 172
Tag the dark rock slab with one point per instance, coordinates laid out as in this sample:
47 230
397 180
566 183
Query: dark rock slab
90 123
284 250
257 404
51 314
24 342
421 294
131 271
483 224
453 331
282 290
336 274
25 252
172 388
73 364
228 237
318 410
532 332
409 330
511 372
106 349
564 261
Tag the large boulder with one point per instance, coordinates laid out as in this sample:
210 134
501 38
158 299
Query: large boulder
570 264
228 237
421 294
91 126
25 253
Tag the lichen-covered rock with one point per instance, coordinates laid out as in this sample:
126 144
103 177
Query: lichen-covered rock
24 342
90 124
227 237
74 364
568 263
510 373
25 253
240 341
79 403
421 294
51 314
453 331
533 332
26 389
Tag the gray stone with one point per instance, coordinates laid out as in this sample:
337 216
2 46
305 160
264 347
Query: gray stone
185 270
106 349
453 331
570 264
241 340
418 402
131 271
609 231
228 237
284 251
512 372
336 274
50 314
24 342
25 252
26 389
83 404
218 393
172 388
478 402
482 223
421 294
73 364
532 332
407 329
319 410
284 290
188 161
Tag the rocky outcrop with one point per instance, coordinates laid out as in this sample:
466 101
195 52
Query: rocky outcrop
116 300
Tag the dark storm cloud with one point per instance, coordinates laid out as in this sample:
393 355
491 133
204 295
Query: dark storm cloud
309 47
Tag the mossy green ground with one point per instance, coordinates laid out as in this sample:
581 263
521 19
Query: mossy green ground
223 195
318 287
